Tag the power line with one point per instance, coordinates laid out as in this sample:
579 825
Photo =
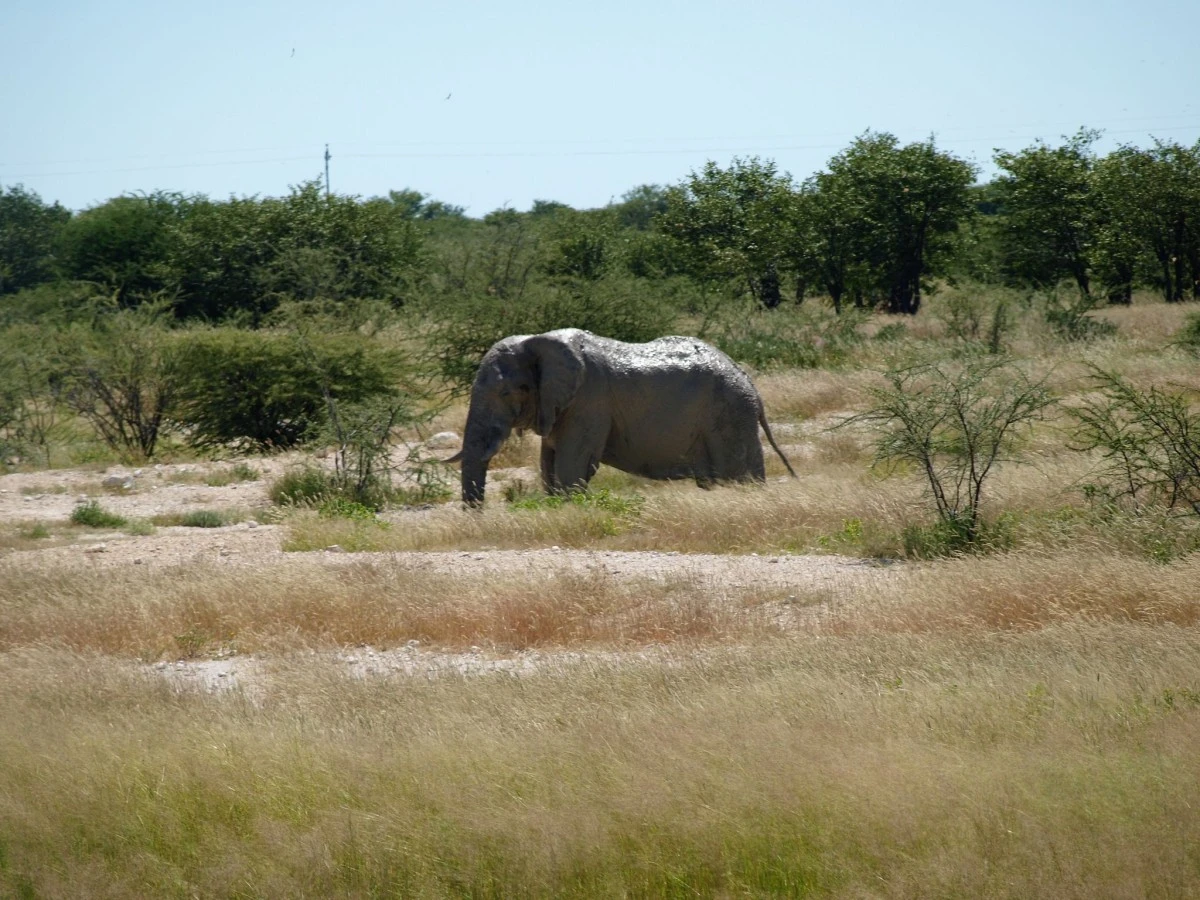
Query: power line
748 146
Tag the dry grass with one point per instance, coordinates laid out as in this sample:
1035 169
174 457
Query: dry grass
1051 763
785 514
206 609
1029 590
808 393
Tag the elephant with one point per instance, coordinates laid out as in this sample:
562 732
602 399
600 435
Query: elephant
672 408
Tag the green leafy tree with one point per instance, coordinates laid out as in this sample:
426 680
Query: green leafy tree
580 245
734 226
830 236
29 232
1049 223
640 206
1167 217
1122 222
893 210
126 245
244 256
415 205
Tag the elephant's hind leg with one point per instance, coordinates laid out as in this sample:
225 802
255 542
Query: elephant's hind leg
704 469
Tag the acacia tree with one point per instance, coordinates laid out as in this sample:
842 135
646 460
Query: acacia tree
955 426
1048 231
734 225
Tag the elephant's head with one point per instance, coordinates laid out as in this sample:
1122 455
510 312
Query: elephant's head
523 382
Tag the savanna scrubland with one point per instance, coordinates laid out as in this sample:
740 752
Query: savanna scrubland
957 656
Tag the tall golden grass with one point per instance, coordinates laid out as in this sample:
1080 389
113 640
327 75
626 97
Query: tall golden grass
1054 762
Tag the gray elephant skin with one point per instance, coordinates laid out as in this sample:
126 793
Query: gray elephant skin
675 407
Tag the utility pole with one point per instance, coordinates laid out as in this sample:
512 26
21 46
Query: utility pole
326 171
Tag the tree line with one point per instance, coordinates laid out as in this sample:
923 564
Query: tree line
874 229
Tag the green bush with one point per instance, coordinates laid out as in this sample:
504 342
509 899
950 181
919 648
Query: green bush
805 338
121 373
954 425
270 391
1072 322
93 515
1189 335
203 518
304 486
1148 441
954 537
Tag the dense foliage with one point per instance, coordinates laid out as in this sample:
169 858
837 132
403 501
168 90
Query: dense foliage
877 227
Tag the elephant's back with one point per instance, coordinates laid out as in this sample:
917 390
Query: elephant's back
673 353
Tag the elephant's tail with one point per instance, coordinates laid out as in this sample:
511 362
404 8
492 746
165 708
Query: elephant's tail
762 420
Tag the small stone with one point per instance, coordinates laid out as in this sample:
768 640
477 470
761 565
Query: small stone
335 548
96 548
137 561
773 559
443 440
251 524
556 547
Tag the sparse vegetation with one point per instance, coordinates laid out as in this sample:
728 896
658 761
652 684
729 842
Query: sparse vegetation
93 515
197 518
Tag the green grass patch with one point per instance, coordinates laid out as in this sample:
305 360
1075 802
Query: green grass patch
93 515
199 518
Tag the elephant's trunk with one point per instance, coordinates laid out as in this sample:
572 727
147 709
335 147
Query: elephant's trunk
481 441
474 478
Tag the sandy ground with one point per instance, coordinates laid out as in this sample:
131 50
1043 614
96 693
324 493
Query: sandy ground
48 497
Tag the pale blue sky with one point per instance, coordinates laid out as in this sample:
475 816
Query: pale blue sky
492 104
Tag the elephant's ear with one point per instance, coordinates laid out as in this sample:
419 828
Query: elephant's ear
559 365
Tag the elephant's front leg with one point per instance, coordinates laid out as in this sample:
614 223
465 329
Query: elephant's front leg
549 479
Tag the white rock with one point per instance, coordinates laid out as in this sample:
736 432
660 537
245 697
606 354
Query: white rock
443 440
